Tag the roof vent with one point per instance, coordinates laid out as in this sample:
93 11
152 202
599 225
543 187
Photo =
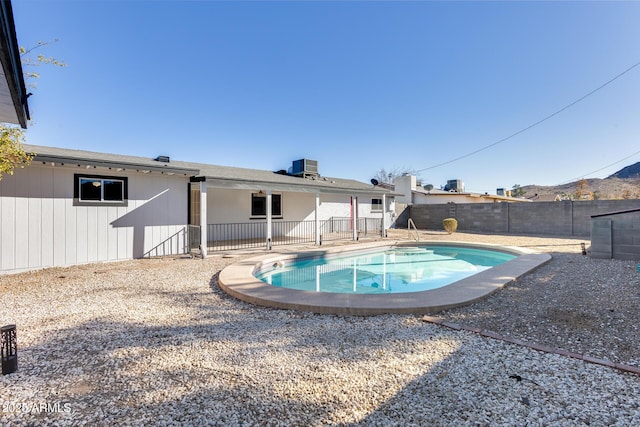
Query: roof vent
163 159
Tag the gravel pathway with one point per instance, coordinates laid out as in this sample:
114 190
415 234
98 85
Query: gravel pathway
156 342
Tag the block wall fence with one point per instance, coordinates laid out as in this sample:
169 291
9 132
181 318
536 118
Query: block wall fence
566 218
616 235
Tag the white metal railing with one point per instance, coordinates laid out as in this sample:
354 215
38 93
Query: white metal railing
416 235
228 236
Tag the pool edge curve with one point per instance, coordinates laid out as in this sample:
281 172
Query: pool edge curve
238 281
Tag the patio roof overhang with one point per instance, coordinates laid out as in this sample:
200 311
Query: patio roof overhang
304 186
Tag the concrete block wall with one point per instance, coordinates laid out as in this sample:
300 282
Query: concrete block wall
567 218
616 235
601 246
426 217
552 218
487 217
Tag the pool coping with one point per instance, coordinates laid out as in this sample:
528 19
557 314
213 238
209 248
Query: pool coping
238 281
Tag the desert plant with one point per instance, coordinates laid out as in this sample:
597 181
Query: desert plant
450 225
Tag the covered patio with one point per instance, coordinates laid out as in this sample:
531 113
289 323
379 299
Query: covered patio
254 209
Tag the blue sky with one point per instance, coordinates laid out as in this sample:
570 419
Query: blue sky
358 86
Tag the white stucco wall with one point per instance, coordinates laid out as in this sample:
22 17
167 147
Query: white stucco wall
40 227
234 206
231 206
405 184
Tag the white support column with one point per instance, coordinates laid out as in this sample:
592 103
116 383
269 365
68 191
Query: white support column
203 219
315 218
269 221
355 217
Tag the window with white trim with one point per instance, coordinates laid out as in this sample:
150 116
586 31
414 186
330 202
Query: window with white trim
259 205
376 205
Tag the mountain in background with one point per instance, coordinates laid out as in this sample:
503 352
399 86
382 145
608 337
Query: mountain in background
632 171
624 184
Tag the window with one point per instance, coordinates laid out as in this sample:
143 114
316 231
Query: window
98 190
259 205
376 205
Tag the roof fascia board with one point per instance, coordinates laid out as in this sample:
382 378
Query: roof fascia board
11 64
103 163
263 185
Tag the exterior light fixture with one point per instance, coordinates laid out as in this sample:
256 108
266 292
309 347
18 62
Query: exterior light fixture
9 349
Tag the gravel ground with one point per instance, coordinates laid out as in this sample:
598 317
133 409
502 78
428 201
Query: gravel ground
156 342
574 302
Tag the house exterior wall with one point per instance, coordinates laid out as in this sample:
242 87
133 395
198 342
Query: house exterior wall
434 199
229 214
225 206
228 206
413 193
405 184
40 226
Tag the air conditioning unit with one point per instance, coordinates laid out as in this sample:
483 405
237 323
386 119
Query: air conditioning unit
454 186
304 168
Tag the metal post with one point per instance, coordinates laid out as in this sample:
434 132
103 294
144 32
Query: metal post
9 349
384 215
269 220
355 217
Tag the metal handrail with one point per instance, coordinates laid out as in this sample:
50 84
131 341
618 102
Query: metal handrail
416 235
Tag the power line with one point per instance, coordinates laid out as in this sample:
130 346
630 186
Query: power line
603 168
566 107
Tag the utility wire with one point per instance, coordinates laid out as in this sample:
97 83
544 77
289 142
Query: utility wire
603 168
566 107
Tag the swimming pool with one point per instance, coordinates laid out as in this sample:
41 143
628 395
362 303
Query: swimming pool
239 281
390 270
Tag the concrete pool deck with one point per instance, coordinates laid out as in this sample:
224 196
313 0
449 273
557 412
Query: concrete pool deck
238 280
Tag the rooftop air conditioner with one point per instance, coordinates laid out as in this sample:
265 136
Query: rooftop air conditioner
304 167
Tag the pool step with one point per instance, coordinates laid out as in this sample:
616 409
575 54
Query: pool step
411 250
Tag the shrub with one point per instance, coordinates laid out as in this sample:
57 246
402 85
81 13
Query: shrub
450 225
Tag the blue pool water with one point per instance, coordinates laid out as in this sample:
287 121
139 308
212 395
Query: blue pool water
402 269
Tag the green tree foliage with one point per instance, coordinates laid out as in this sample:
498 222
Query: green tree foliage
517 191
30 60
12 154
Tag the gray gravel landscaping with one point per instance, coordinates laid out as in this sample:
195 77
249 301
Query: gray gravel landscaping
156 342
